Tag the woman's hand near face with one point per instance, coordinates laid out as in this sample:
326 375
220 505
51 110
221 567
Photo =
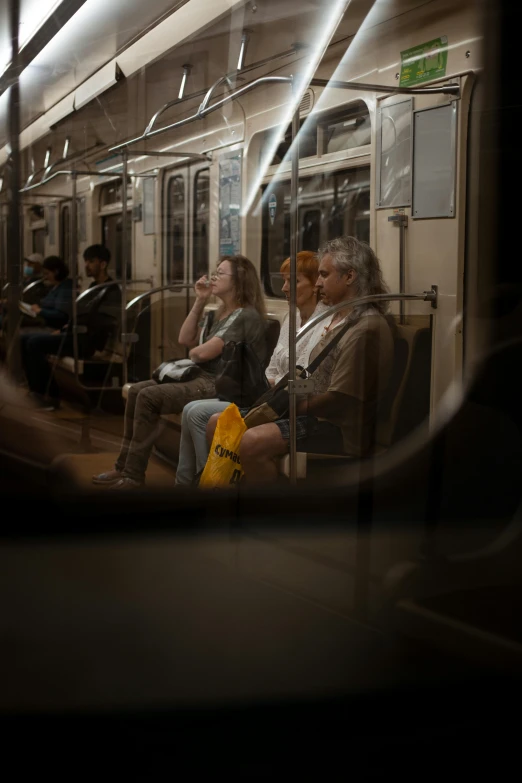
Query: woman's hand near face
202 288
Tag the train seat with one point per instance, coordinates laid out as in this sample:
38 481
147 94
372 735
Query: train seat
405 404
101 371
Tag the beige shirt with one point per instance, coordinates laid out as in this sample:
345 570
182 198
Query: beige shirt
360 368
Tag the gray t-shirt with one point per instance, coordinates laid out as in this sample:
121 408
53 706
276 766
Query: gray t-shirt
243 325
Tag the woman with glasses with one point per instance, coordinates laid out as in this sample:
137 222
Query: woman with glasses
193 450
241 317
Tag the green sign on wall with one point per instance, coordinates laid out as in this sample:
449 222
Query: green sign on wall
425 62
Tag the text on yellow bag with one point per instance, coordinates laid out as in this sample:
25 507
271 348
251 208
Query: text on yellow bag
223 466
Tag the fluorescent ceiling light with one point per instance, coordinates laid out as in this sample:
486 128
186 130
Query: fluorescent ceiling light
33 14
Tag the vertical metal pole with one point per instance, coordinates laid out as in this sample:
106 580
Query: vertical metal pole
187 309
124 252
402 268
74 269
12 185
294 228
3 259
401 221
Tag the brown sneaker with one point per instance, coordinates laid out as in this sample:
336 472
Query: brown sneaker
107 479
127 483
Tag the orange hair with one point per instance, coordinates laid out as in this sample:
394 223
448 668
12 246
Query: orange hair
307 265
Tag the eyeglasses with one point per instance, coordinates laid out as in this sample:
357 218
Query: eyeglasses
219 273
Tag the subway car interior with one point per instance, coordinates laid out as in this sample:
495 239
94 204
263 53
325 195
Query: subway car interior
169 170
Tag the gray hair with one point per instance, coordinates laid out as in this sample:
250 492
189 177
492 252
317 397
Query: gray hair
350 253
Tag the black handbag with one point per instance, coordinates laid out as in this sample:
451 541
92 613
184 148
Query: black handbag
176 371
181 370
240 378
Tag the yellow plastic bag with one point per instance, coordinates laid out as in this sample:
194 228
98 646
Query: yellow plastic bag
223 466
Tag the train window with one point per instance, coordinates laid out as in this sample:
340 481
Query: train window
351 129
176 229
310 228
110 193
330 205
65 233
307 141
201 220
39 235
111 238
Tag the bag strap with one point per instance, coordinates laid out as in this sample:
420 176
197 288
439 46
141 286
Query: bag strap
312 367
207 326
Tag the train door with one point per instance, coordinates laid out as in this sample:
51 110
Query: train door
186 213
111 223
421 182
38 228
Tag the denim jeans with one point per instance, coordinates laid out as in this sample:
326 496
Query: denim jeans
193 449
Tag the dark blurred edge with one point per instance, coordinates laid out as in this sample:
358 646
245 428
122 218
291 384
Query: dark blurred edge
416 733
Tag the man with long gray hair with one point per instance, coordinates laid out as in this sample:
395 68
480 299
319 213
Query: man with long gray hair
339 417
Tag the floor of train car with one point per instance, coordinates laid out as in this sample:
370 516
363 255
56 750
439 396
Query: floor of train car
148 649
105 439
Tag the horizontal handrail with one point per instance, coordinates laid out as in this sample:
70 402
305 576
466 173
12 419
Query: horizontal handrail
425 296
31 285
204 109
227 77
170 287
444 89
200 114
90 289
70 172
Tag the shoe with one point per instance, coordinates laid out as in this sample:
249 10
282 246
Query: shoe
127 483
108 479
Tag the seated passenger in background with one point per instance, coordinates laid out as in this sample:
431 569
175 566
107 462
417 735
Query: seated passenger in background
340 416
32 271
36 347
240 318
54 309
193 451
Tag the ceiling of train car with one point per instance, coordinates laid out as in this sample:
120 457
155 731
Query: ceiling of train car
99 31
125 109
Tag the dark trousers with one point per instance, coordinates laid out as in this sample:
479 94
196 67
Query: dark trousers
146 403
34 349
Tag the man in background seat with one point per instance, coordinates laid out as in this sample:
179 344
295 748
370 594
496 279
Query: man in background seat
98 311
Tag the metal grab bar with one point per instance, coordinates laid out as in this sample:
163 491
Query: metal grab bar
75 172
228 76
171 287
204 109
448 89
425 296
200 114
210 92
